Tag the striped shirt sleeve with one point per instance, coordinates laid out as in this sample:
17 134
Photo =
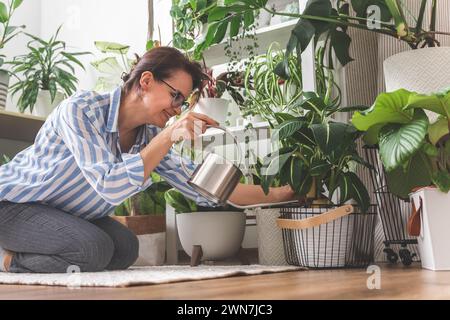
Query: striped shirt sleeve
170 169
113 180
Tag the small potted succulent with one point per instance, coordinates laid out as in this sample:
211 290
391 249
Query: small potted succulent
144 214
415 152
47 74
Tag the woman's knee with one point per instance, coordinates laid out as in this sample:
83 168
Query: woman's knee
93 252
126 251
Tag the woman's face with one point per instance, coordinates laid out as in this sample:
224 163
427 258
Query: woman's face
157 96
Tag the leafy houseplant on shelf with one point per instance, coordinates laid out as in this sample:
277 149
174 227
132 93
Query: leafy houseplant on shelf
144 215
209 99
7 33
112 66
46 74
415 153
329 20
207 233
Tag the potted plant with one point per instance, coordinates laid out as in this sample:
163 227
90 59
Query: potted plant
415 153
144 215
209 234
317 158
210 100
47 74
112 66
8 32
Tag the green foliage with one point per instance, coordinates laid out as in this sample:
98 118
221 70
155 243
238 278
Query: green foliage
4 159
112 66
47 66
323 20
412 149
315 153
151 201
8 32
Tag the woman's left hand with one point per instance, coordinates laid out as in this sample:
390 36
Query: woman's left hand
285 193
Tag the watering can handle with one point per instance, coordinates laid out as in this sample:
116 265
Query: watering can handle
183 165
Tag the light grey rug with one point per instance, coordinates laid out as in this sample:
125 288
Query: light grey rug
139 275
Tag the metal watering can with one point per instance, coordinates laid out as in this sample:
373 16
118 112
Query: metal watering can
216 177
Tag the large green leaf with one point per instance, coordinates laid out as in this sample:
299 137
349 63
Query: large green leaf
388 108
334 138
272 165
287 129
340 41
416 173
441 179
398 142
351 187
438 102
17 3
3 13
438 130
177 201
111 47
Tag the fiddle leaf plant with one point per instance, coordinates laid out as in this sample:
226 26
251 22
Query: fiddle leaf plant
316 155
414 150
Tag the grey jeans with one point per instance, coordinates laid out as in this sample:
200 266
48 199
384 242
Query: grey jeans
46 240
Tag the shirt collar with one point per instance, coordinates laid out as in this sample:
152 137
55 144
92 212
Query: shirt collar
149 131
113 112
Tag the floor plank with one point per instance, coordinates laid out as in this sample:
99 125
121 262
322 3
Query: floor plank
397 282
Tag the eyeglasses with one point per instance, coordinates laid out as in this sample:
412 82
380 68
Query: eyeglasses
179 100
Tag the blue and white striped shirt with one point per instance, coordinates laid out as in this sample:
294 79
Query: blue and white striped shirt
76 163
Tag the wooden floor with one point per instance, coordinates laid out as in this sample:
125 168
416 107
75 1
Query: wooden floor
397 282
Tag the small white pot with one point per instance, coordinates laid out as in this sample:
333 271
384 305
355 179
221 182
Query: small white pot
44 105
215 108
220 234
152 249
4 84
424 70
434 238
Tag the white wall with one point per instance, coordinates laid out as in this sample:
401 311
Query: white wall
86 21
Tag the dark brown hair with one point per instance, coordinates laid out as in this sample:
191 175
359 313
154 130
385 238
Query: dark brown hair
162 62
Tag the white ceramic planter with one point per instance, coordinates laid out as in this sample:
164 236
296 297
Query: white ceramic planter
434 238
423 70
44 105
220 234
215 108
4 84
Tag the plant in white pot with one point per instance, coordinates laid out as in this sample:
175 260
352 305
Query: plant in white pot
7 33
207 234
45 74
416 156
209 100
144 215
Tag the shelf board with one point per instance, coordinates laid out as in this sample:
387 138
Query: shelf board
215 55
234 130
19 126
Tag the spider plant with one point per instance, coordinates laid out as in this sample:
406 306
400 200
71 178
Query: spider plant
8 32
47 66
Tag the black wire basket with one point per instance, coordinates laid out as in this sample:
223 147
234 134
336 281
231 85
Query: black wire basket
394 213
324 236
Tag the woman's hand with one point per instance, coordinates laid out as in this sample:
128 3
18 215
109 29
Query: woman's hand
190 126
285 193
